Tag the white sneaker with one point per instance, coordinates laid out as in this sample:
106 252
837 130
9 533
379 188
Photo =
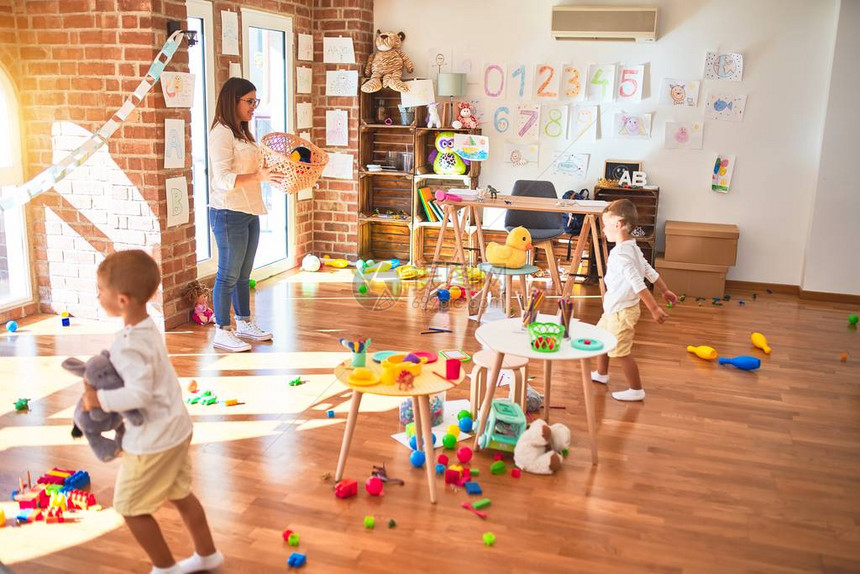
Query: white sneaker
225 339
598 378
250 330
630 395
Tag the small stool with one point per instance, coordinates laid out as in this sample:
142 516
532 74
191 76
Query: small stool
508 274
484 361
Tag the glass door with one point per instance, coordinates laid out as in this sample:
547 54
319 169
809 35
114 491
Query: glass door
267 45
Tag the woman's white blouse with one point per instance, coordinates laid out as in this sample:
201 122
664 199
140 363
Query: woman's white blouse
228 158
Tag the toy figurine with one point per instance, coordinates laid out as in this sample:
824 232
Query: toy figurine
198 293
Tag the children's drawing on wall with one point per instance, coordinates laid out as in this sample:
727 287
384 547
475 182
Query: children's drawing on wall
571 82
528 121
341 82
727 107
520 81
339 166
675 92
338 50
601 83
465 62
440 59
724 166
304 115
493 78
632 125
729 66
304 79
306 47
336 128
178 89
570 164
554 120
547 82
229 33
521 154
684 135
177 201
174 144
472 147
631 83
585 122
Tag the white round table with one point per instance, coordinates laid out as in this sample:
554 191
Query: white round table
508 336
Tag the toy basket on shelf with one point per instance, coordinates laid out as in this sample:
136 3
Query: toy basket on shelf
299 161
546 337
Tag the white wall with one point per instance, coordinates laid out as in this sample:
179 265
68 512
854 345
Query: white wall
832 262
787 46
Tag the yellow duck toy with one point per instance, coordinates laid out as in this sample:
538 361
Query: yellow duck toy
514 253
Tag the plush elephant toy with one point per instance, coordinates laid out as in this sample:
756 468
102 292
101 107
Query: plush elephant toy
100 374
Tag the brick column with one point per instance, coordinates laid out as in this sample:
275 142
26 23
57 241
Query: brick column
335 224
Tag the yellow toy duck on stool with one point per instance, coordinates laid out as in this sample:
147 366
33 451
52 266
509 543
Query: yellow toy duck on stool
514 253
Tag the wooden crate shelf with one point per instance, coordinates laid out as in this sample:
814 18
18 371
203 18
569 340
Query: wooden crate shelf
646 202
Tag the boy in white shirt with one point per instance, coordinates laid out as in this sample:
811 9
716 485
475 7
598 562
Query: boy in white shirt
626 272
156 465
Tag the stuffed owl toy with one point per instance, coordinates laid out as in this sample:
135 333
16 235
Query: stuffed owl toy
100 374
443 158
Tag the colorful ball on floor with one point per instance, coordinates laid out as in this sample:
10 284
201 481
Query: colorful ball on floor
11 326
311 263
413 442
454 430
449 441
463 413
464 454
443 295
417 458
455 292
410 429
466 424
373 486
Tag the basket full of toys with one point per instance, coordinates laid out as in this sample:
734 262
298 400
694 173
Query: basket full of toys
299 161
545 337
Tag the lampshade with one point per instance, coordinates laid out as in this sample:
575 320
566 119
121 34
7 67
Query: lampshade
451 84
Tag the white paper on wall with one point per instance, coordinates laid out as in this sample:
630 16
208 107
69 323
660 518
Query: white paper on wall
572 82
341 82
306 47
177 201
570 164
521 154
601 83
674 92
229 33
304 116
339 166
235 70
631 82
440 59
420 93
721 178
338 50
728 66
304 79
336 128
727 107
635 126
684 135
174 144
584 123
178 89
466 62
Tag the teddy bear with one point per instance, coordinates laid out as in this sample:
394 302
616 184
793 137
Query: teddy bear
465 117
385 66
100 374
539 449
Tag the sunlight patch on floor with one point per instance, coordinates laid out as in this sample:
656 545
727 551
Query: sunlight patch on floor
19 544
292 361
52 325
32 378
338 276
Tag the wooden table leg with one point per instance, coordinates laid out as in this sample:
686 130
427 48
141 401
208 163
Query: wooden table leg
347 434
525 288
445 215
416 416
509 287
577 256
480 232
596 253
488 397
547 389
588 393
459 256
485 292
426 429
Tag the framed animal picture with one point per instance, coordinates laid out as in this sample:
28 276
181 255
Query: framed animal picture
615 168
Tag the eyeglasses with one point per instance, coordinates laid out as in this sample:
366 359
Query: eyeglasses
253 102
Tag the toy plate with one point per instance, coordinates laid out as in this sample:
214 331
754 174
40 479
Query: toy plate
586 344
372 378
380 356
429 355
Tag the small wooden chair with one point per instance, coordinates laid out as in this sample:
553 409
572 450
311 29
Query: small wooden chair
484 361
509 275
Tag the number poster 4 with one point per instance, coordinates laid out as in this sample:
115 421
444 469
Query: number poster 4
601 83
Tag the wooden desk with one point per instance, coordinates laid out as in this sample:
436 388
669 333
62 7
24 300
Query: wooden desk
472 212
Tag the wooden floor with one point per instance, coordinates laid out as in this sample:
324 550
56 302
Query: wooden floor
719 470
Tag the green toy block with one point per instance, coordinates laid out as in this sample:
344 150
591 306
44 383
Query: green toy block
206 394
293 540
474 472
194 400
483 503
489 538
210 401
498 467
369 522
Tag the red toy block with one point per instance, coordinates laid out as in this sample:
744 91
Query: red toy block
54 515
515 472
286 534
452 476
80 500
497 456
346 488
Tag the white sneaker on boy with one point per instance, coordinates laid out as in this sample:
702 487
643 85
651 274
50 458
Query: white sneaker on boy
630 395
197 563
598 378
225 339
250 330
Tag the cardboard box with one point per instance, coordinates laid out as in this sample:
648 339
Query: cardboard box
693 279
705 243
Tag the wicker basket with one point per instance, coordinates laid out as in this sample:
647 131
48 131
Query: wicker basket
275 153
546 337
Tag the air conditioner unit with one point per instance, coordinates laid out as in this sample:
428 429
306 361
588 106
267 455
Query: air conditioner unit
609 23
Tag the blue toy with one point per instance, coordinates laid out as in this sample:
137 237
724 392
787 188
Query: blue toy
296 560
330 414
443 295
465 424
743 362
413 444
11 326
417 458
472 487
504 426
440 468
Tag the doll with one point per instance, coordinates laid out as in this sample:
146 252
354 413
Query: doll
198 294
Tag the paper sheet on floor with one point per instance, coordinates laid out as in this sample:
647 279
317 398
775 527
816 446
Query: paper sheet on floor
449 417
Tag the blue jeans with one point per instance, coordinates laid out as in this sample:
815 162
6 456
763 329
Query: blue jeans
237 235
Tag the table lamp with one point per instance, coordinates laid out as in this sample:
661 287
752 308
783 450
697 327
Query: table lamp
453 85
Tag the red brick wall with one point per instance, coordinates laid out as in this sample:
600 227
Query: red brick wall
77 61
335 222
